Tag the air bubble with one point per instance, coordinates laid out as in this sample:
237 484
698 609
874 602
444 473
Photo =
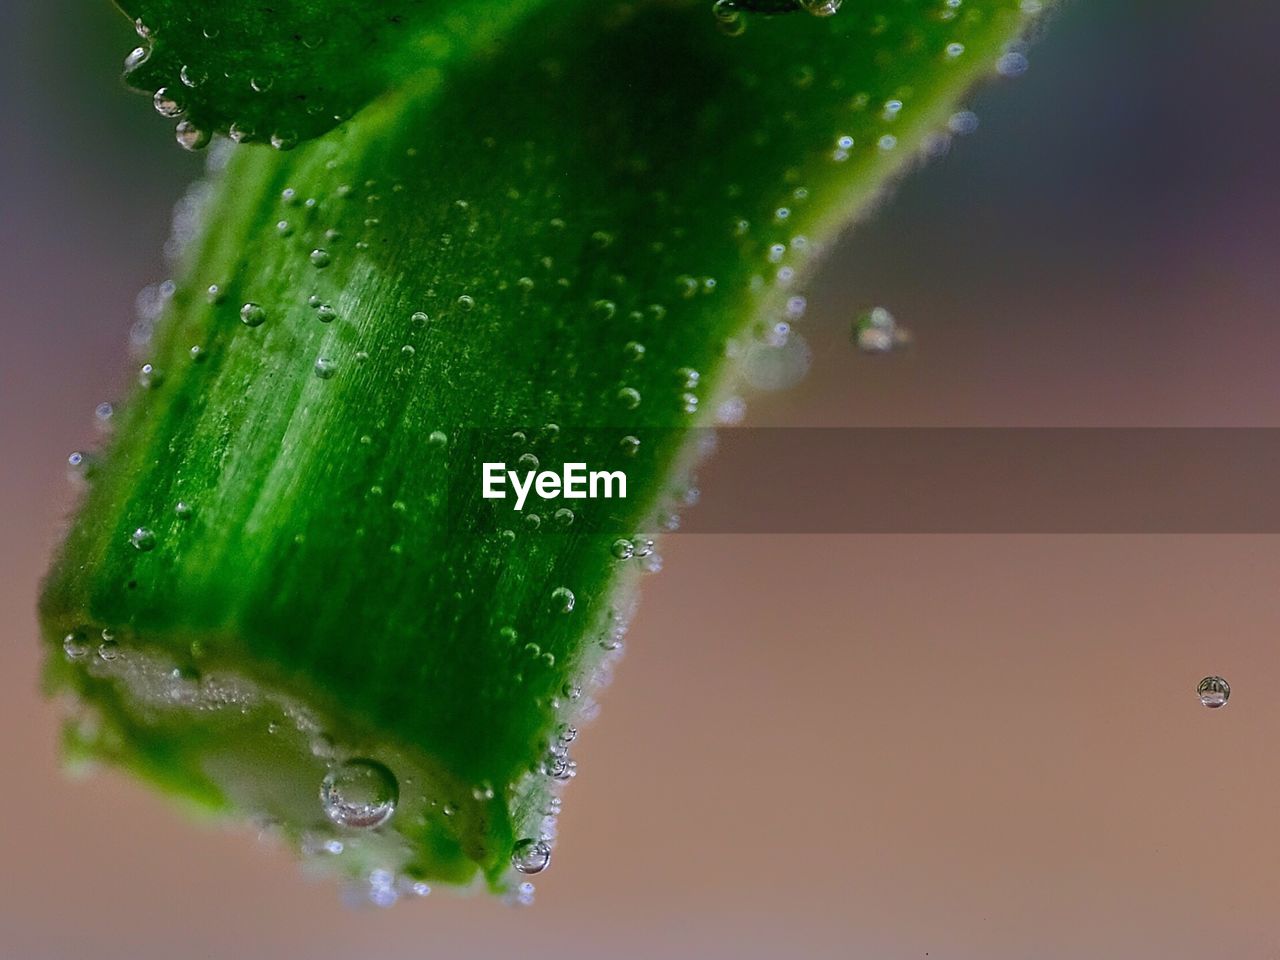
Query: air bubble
325 368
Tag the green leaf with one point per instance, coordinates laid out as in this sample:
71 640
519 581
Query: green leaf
547 248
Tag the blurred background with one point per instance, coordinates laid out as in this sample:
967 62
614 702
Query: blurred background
820 746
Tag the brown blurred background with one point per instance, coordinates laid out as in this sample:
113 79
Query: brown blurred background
856 746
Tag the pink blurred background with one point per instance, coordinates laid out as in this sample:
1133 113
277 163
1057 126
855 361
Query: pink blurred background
853 746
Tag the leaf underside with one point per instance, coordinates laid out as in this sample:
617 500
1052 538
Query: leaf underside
538 229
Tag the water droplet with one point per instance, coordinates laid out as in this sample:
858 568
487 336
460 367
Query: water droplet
420 316
728 18
466 302
437 438
191 137
326 367
319 258
1213 692
183 510
253 315
1012 64
876 331
108 649
74 646
963 123
359 793
143 539
284 141
821 8
629 397
633 350
326 313
284 228
190 76
629 445
623 549
165 103
530 856
954 50
149 376
563 600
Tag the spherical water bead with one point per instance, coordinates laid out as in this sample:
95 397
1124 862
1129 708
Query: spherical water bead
963 123
530 856
622 549
183 510
1012 64
74 646
466 302
563 517
149 376
165 104
253 315
563 600
629 398
284 141
688 378
326 313
629 445
104 411
954 50
319 258
876 331
821 8
325 368
360 794
728 18
633 350
143 539
191 137
1213 692
108 649
437 438
420 316
284 228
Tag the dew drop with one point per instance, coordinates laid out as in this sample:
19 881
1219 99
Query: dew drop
821 8
143 539
191 137
319 258
74 646
183 510
623 549
629 397
1213 692
563 600
530 856
253 315
325 368
149 376
165 103
466 302
359 793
